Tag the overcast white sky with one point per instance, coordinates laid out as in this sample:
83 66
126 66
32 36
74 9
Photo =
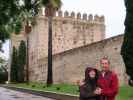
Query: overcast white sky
113 10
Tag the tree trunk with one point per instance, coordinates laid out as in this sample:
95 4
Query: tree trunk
27 31
10 60
49 71
27 59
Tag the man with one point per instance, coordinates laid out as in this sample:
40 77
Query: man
107 82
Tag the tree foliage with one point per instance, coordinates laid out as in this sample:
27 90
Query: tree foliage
21 61
14 66
18 63
127 47
13 15
3 71
3 74
8 10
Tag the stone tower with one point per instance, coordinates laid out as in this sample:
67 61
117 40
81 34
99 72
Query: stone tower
70 31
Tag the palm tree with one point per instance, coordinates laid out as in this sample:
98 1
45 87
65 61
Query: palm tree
51 6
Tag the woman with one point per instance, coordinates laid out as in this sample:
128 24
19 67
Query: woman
89 85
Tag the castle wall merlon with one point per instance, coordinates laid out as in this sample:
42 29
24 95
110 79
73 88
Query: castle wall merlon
66 14
96 18
72 14
84 16
78 15
99 19
90 17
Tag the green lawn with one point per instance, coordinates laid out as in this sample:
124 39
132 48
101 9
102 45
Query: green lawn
125 92
59 88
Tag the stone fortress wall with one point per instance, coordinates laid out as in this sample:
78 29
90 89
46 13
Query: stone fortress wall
70 31
69 66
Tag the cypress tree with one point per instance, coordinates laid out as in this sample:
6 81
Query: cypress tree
3 71
127 47
14 66
21 61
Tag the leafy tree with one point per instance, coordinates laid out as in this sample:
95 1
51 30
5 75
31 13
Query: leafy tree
8 11
12 15
127 47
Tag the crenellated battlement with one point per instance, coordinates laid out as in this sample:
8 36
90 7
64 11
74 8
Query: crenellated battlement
78 16
70 30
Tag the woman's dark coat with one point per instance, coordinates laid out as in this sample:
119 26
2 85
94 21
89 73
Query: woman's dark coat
87 89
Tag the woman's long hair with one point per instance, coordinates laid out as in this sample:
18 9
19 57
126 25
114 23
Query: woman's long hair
88 79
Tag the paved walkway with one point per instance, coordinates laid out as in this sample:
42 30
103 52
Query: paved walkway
7 94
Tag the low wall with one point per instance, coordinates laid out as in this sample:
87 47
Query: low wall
69 66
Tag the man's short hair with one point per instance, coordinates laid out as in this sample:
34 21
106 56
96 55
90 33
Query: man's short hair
105 58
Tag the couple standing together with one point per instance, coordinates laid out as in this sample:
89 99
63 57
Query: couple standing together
99 85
